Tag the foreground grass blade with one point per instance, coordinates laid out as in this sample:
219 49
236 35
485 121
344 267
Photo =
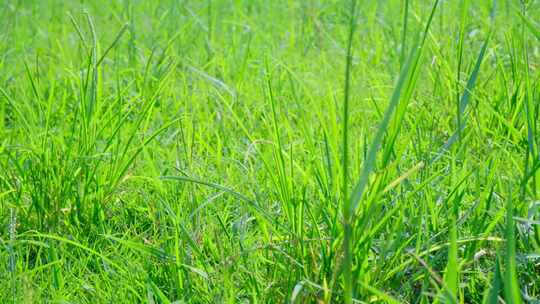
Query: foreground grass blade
352 202
157 292
512 293
404 78
451 277
347 210
492 296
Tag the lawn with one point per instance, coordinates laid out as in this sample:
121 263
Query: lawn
270 151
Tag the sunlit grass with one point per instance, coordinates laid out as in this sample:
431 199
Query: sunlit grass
269 151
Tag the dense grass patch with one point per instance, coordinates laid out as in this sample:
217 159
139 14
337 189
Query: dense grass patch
256 151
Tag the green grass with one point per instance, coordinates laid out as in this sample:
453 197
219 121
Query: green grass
251 151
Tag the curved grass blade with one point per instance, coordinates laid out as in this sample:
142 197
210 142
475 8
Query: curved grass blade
464 101
405 82
234 193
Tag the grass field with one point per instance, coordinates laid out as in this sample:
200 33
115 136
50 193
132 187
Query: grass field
270 151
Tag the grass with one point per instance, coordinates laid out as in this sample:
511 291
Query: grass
269 151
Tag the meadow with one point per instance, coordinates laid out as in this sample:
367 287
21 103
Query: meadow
270 151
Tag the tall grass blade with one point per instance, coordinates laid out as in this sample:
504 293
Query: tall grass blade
512 293
464 101
368 166
347 214
451 276
492 295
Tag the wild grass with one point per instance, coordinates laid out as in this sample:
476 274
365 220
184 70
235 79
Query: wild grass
258 151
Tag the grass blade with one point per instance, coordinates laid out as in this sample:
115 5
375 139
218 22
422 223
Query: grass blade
464 101
352 201
492 296
512 293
